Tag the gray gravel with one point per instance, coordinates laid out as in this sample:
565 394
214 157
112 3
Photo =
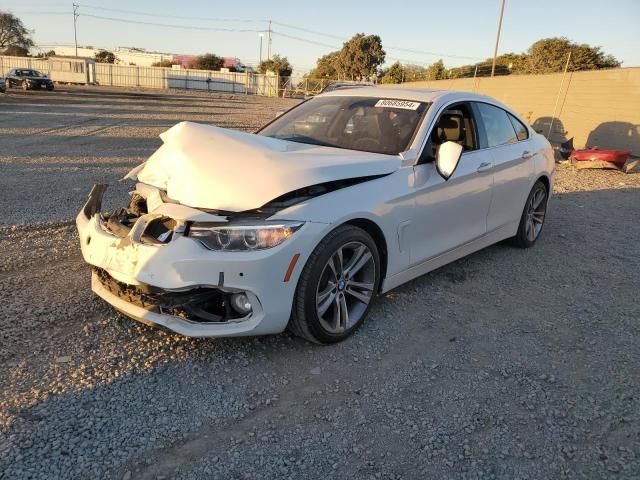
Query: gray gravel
507 364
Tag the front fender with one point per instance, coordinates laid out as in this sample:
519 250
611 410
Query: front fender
386 201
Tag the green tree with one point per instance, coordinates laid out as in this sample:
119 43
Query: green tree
16 51
164 63
208 61
360 57
326 66
414 73
550 55
105 56
398 73
436 71
394 74
13 33
276 64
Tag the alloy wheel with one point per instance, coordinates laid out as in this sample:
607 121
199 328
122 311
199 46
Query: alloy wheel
346 287
536 209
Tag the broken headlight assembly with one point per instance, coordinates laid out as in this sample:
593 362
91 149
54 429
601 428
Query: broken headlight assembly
242 238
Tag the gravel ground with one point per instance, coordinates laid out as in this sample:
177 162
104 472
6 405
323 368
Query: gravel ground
507 364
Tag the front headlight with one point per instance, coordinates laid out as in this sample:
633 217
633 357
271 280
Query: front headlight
241 238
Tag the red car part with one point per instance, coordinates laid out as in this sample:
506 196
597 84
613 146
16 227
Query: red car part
617 157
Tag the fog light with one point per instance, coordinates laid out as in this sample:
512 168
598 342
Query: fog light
240 303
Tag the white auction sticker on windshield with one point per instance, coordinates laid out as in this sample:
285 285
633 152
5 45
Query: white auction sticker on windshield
404 104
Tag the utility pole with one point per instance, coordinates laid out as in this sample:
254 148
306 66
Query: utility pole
75 31
261 35
269 43
495 51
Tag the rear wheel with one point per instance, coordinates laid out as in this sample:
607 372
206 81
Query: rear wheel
533 215
24 85
336 286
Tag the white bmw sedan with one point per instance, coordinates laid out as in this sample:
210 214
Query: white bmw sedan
302 224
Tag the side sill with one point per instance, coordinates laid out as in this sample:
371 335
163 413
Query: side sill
427 266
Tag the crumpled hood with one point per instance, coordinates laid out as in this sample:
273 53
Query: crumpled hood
215 168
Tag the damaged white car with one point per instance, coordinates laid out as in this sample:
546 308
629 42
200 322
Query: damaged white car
345 196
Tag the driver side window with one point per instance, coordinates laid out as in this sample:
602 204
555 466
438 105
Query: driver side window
456 125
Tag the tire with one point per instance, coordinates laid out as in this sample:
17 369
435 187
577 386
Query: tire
533 216
25 86
357 279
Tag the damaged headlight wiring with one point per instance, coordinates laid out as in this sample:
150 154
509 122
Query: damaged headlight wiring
242 238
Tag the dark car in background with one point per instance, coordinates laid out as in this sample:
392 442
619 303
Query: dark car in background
28 79
3 86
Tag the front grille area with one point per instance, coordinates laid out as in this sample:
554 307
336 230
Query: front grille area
207 305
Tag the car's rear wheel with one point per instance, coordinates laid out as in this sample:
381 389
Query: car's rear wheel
336 286
533 216
25 86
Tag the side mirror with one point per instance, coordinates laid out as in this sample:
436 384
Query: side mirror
448 158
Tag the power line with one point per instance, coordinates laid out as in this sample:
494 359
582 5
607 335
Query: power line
243 20
290 26
305 40
40 12
399 49
169 25
138 12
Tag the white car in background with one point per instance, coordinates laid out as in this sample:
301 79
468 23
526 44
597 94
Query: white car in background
345 196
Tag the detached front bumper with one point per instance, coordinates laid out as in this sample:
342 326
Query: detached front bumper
138 279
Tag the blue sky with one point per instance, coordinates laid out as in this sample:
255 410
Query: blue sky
464 28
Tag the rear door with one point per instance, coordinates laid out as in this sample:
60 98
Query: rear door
510 145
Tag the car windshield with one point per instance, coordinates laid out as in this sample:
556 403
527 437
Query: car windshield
368 124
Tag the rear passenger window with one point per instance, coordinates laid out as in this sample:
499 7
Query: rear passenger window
521 131
497 125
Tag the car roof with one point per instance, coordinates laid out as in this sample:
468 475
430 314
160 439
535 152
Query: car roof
413 94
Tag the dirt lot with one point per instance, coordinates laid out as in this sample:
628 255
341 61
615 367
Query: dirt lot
507 364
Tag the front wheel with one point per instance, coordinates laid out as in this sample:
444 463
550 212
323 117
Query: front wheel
25 86
336 286
533 216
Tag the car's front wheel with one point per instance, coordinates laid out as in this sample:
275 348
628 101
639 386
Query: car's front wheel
25 85
533 216
336 286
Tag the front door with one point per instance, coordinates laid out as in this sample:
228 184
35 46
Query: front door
450 213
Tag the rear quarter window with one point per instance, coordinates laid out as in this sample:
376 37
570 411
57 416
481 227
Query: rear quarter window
522 132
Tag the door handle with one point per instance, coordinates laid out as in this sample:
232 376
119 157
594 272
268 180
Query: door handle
527 155
484 167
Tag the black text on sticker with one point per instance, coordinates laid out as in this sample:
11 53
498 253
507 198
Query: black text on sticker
405 104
